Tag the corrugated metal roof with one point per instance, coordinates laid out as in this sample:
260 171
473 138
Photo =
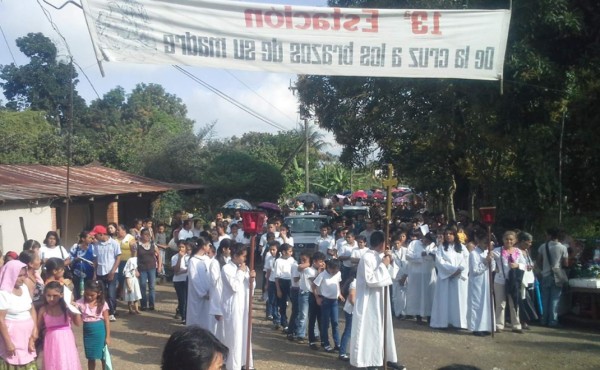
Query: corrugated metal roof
20 182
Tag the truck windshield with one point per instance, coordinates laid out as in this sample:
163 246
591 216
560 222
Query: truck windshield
305 225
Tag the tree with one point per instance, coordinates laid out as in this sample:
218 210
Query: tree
44 84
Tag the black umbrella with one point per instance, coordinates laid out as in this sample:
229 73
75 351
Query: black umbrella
310 198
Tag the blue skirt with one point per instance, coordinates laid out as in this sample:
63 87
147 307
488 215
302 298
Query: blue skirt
94 336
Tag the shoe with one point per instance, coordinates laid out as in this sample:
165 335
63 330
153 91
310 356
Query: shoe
395 365
151 309
290 336
314 346
336 348
182 322
112 318
518 331
177 316
329 349
478 333
285 330
143 309
270 317
344 357
299 340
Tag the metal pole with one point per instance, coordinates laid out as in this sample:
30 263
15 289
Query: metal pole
65 235
388 183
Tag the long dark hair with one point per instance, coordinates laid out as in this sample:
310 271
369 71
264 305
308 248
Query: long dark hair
55 235
457 245
61 303
98 287
197 245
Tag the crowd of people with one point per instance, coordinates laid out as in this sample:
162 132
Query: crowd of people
433 272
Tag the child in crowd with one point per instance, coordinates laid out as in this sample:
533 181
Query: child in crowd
269 237
349 292
132 285
294 298
224 251
314 310
180 262
327 292
60 350
357 253
282 268
272 313
96 326
55 270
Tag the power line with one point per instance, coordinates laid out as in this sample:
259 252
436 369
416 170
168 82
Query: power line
260 96
230 99
8 45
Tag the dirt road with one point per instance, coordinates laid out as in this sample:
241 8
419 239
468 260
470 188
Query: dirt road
138 342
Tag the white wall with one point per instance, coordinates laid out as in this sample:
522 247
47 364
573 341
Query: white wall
37 218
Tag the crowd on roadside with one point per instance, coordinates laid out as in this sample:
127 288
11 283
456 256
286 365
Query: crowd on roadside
436 272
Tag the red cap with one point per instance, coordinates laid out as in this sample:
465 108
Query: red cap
98 229
12 255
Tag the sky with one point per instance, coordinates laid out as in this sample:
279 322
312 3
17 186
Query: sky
266 93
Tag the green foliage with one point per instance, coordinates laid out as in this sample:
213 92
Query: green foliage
237 175
164 206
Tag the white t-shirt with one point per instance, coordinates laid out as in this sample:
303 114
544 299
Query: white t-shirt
323 244
345 250
16 307
184 265
290 240
282 268
358 252
185 234
295 275
348 307
329 285
270 264
46 252
307 275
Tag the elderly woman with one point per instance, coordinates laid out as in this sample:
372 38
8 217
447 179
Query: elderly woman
17 316
510 265
527 311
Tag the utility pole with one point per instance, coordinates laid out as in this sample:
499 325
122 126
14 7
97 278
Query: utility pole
307 186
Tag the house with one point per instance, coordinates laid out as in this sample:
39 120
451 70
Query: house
33 200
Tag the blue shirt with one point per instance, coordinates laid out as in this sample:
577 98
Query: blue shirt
106 254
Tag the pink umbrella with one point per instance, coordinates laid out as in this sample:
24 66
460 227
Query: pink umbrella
378 195
360 194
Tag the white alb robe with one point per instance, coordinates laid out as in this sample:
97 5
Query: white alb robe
400 282
421 278
234 305
451 293
216 290
366 342
479 314
198 298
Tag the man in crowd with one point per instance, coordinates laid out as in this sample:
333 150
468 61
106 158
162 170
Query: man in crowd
107 255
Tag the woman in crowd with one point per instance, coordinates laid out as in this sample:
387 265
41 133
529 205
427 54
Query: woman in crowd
527 311
34 281
52 248
507 281
148 257
82 255
451 289
17 319
127 242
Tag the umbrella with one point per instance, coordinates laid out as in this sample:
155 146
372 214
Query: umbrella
310 198
411 197
237 204
378 194
400 200
269 206
360 194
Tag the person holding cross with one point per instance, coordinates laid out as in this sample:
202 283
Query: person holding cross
368 334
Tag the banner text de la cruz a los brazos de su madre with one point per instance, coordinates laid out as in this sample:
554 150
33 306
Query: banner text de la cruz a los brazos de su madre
466 44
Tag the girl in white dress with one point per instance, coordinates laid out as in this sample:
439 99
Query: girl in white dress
132 285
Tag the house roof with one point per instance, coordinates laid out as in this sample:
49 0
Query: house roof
29 182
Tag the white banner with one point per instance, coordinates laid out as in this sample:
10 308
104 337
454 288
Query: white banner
466 44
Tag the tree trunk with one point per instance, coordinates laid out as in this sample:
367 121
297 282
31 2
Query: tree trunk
451 192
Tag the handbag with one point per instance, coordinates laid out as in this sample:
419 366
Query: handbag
560 276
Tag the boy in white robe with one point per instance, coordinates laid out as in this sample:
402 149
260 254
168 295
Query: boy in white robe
199 285
372 279
421 276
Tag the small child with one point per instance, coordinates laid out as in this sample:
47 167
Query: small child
349 291
96 326
272 313
327 292
282 269
132 285
400 278
314 310
270 236
180 262
55 270
294 298
60 350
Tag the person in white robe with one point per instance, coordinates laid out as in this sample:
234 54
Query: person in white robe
421 276
215 320
399 286
452 286
479 315
199 286
372 279
234 304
